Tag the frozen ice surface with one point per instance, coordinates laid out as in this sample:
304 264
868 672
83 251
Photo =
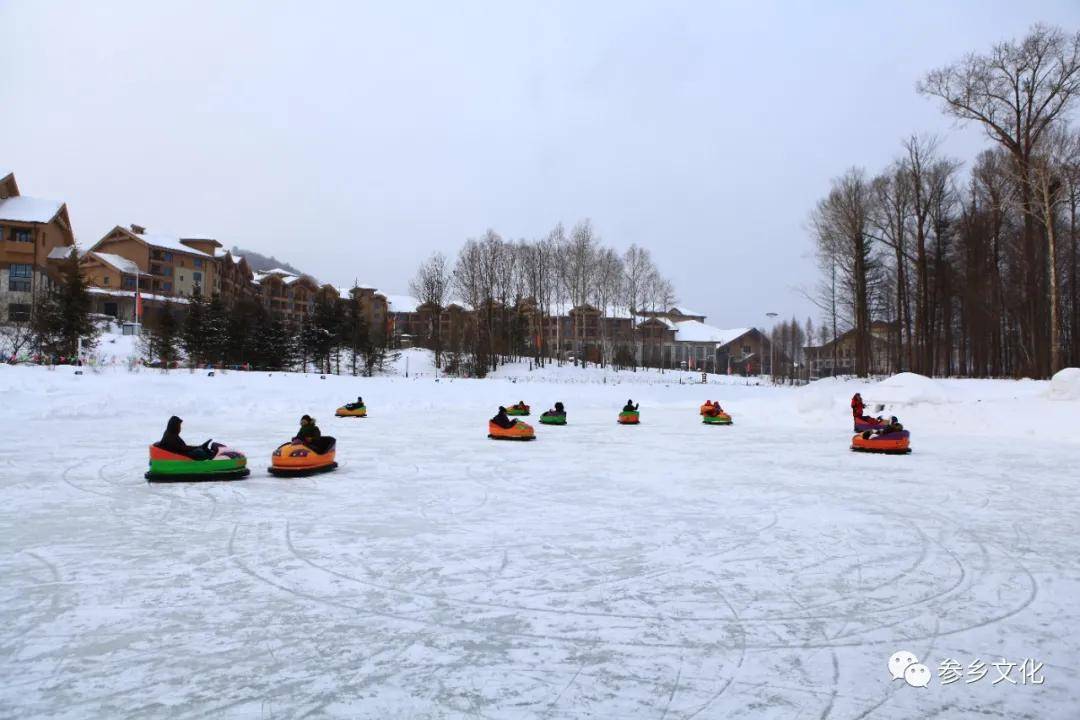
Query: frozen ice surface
668 570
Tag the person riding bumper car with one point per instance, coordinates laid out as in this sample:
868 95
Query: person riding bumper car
554 417
298 458
222 463
356 409
173 460
518 431
520 409
891 439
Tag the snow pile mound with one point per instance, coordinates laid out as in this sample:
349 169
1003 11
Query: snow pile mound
830 395
907 388
1065 385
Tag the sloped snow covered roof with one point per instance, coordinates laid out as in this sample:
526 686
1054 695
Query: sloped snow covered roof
27 209
63 252
687 311
657 318
120 263
401 303
168 242
697 331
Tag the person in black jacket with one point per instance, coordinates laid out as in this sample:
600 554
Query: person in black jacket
630 406
503 420
172 442
308 430
559 411
892 426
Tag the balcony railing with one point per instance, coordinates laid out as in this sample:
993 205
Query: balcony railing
19 248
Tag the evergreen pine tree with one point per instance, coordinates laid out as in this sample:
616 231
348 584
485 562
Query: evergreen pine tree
242 322
63 315
215 331
193 335
162 338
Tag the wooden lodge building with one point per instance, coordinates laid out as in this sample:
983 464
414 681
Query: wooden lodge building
35 236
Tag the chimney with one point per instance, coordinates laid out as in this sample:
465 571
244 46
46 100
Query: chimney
138 229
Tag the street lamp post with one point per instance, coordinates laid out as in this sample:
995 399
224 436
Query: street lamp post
772 356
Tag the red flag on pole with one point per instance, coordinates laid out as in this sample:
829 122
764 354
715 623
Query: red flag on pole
138 302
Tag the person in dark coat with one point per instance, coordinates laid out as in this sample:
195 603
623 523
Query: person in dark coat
308 430
356 405
559 411
892 426
630 406
172 442
503 420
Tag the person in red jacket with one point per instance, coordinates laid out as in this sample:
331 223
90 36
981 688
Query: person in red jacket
857 406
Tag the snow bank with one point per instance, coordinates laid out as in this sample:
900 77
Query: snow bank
906 389
828 395
1065 385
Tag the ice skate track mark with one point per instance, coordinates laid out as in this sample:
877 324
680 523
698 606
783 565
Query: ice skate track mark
674 689
835 686
66 477
456 626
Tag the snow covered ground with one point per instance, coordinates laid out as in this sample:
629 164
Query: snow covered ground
669 570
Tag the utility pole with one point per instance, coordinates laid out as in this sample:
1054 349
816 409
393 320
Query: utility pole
772 357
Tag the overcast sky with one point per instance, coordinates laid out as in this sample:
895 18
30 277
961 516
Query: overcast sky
353 139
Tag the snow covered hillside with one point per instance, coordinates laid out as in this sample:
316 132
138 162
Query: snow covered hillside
668 570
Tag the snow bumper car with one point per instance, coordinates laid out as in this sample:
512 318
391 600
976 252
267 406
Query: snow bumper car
891 443
297 459
519 431
519 409
629 417
720 418
225 464
351 410
553 419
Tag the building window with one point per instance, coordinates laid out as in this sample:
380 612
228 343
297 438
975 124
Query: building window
111 309
197 262
167 286
105 280
19 278
745 349
128 283
21 235
166 271
166 256
17 312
